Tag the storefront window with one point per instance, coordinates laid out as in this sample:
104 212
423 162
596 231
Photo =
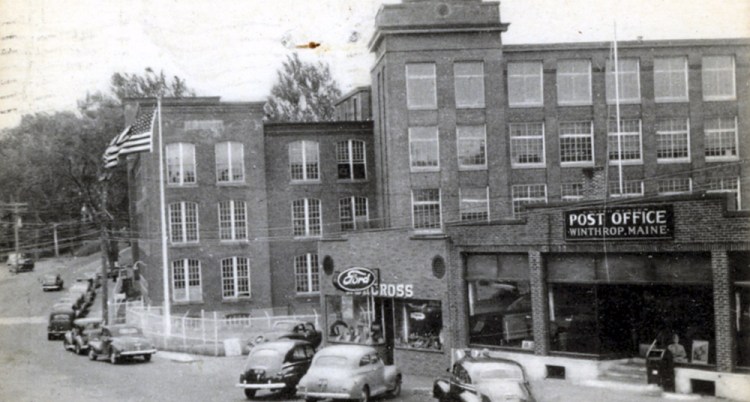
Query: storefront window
351 319
573 319
741 266
419 324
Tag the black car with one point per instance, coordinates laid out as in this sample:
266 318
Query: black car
276 366
290 329
60 321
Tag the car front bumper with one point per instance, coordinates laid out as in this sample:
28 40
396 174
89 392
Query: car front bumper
258 385
137 352
307 393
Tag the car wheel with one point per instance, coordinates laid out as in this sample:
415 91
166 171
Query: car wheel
147 358
113 357
396 391
49 337
77 349
249 393
365 394
92 354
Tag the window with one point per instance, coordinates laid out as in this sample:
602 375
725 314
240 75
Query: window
353 213
629 85
306 273
670 79
186 281
419 324
306 217
230 164
574 82
420 86
350 158
424 148
471 147
675 185
426 209
474 204
572 191
628 141
235 277
232 220
725 185
468 78
718 78
354 319
630 188
525 84
673 140
303 160
577 143
526 194
721 139
180 164
526 144
183 222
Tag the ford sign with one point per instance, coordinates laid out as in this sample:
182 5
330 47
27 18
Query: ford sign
355 279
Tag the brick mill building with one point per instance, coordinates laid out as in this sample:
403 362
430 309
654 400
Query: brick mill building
500 196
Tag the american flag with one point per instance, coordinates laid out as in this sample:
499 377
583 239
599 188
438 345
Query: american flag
135 138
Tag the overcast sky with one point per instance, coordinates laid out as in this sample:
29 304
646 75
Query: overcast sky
54 51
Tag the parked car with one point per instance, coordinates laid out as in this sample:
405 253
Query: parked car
60 321
485 379
94 278
290 329
76 300
118 342
86 289
77 338
18 262
276 366
349 372
52 282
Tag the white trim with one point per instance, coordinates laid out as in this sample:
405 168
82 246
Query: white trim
711 98
440 210
673 99
560 136
666 161
432 76
717 131
478 105
619 161
535 103
527 137
436 139
462 167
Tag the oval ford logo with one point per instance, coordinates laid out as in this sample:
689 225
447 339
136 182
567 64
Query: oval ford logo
355 279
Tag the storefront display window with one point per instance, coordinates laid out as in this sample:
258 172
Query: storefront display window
351 319
573 319
419 324
741 265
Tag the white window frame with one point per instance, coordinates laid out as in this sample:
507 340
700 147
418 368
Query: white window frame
669 187
704 78
352 210
349 158
627 187
660 134
307 176
413 142
236 225
415 204
723 182
235 278
183 223
186 268
666 75
573 77
465 136
610 81
470 78
413 78
576 137
307 218
231 165
624 135
462 202
522 81
524 141
518 200
719 131
569 197
306 266
178 166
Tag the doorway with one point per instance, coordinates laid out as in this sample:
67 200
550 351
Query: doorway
384 315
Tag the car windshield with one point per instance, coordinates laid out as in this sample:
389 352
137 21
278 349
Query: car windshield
262 357
284 325
128 331
497 372
50 278
60 317
332 361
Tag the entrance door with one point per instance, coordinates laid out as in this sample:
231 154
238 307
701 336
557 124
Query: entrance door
384 315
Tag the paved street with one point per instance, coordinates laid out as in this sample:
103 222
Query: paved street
34 369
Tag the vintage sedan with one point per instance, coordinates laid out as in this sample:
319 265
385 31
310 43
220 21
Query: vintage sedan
18 262
290 329
276 366
86 289
60 320
478 378
117 342
77 338
349 372
51 282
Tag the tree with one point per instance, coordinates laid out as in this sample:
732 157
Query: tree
304 92
150 84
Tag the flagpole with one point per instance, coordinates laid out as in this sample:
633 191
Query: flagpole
162 212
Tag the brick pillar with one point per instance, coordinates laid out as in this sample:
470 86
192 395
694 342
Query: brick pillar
725 356
539 305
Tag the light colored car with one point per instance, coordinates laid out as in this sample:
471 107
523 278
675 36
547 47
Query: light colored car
349 372
51 282
484 379
18 262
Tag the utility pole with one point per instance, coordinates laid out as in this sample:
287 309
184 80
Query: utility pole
17 208
54 235
105 254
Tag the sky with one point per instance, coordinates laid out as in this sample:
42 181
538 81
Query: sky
53 52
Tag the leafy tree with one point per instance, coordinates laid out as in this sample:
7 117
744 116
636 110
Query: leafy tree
304 92
150 84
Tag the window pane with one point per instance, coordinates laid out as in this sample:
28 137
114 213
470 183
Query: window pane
469 84
670 79
471 146
426 209
420 86
629 84
718 78
720 138
527 144
672 140
474 204
527 194
574 82
423 145
419 324
576 142
525 84
629 142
